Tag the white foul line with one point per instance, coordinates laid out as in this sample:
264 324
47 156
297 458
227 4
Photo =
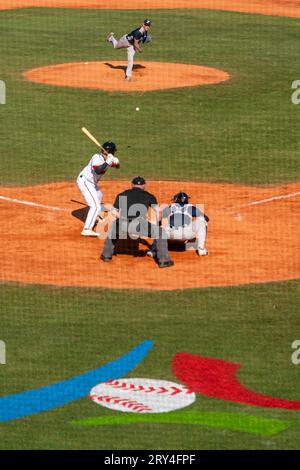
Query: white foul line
263 201
231 210
34 204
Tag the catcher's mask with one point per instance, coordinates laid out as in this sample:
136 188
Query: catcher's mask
181 198
110 147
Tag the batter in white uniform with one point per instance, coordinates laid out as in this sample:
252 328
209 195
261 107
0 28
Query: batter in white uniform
87 183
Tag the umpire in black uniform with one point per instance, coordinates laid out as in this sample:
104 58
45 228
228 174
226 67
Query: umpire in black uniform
131 211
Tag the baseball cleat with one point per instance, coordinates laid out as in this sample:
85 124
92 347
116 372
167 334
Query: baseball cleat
166 264
106 259
202 252
127 78
151 254
89 233
108 39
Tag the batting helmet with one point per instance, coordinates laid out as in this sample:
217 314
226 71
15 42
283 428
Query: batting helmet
181 198
110 147
147 22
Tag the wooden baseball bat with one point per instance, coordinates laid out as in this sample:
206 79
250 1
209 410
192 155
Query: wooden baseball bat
90 136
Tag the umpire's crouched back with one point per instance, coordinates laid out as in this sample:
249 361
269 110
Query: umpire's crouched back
130 210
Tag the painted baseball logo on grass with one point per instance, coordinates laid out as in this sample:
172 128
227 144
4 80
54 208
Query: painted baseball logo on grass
217 378
54 395
142 395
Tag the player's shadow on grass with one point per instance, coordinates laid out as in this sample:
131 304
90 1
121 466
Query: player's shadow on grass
124 67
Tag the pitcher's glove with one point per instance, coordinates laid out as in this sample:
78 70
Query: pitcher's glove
147 39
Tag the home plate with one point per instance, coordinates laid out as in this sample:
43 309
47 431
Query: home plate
142 395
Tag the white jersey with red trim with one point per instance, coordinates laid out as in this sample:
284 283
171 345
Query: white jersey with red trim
89 171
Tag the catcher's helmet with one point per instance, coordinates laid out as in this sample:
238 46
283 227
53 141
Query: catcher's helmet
147 22
181 198
110 147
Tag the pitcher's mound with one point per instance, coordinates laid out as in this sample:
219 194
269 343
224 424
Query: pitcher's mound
110 75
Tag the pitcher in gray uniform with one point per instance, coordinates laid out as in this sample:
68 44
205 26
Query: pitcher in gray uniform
131 42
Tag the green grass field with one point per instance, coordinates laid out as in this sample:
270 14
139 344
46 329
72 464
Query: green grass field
244 130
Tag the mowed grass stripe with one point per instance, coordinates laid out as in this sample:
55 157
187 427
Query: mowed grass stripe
244 130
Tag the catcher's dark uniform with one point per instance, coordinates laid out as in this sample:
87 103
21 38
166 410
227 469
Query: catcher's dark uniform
132 206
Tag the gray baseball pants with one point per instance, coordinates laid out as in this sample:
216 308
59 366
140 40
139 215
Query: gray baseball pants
120 229
124 44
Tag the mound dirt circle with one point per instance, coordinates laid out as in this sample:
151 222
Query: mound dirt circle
110 76
253 237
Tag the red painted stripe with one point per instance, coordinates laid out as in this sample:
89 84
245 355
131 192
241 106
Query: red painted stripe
217 379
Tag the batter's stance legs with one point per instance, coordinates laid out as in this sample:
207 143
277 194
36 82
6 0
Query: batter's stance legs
93 198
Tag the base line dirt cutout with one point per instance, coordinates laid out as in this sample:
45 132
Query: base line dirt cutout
243 245
289 8
110 75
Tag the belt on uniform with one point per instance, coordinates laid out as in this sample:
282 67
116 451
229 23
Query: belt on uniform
129 41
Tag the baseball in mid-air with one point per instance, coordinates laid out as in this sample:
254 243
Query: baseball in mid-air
137 109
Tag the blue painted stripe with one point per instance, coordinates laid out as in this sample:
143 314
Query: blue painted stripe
58 394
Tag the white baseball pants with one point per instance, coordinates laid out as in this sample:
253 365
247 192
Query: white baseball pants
124 44
197 229
93 198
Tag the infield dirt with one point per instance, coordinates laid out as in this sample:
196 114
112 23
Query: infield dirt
251 244
289 8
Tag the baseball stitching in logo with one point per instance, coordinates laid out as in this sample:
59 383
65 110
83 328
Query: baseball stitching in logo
142 395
